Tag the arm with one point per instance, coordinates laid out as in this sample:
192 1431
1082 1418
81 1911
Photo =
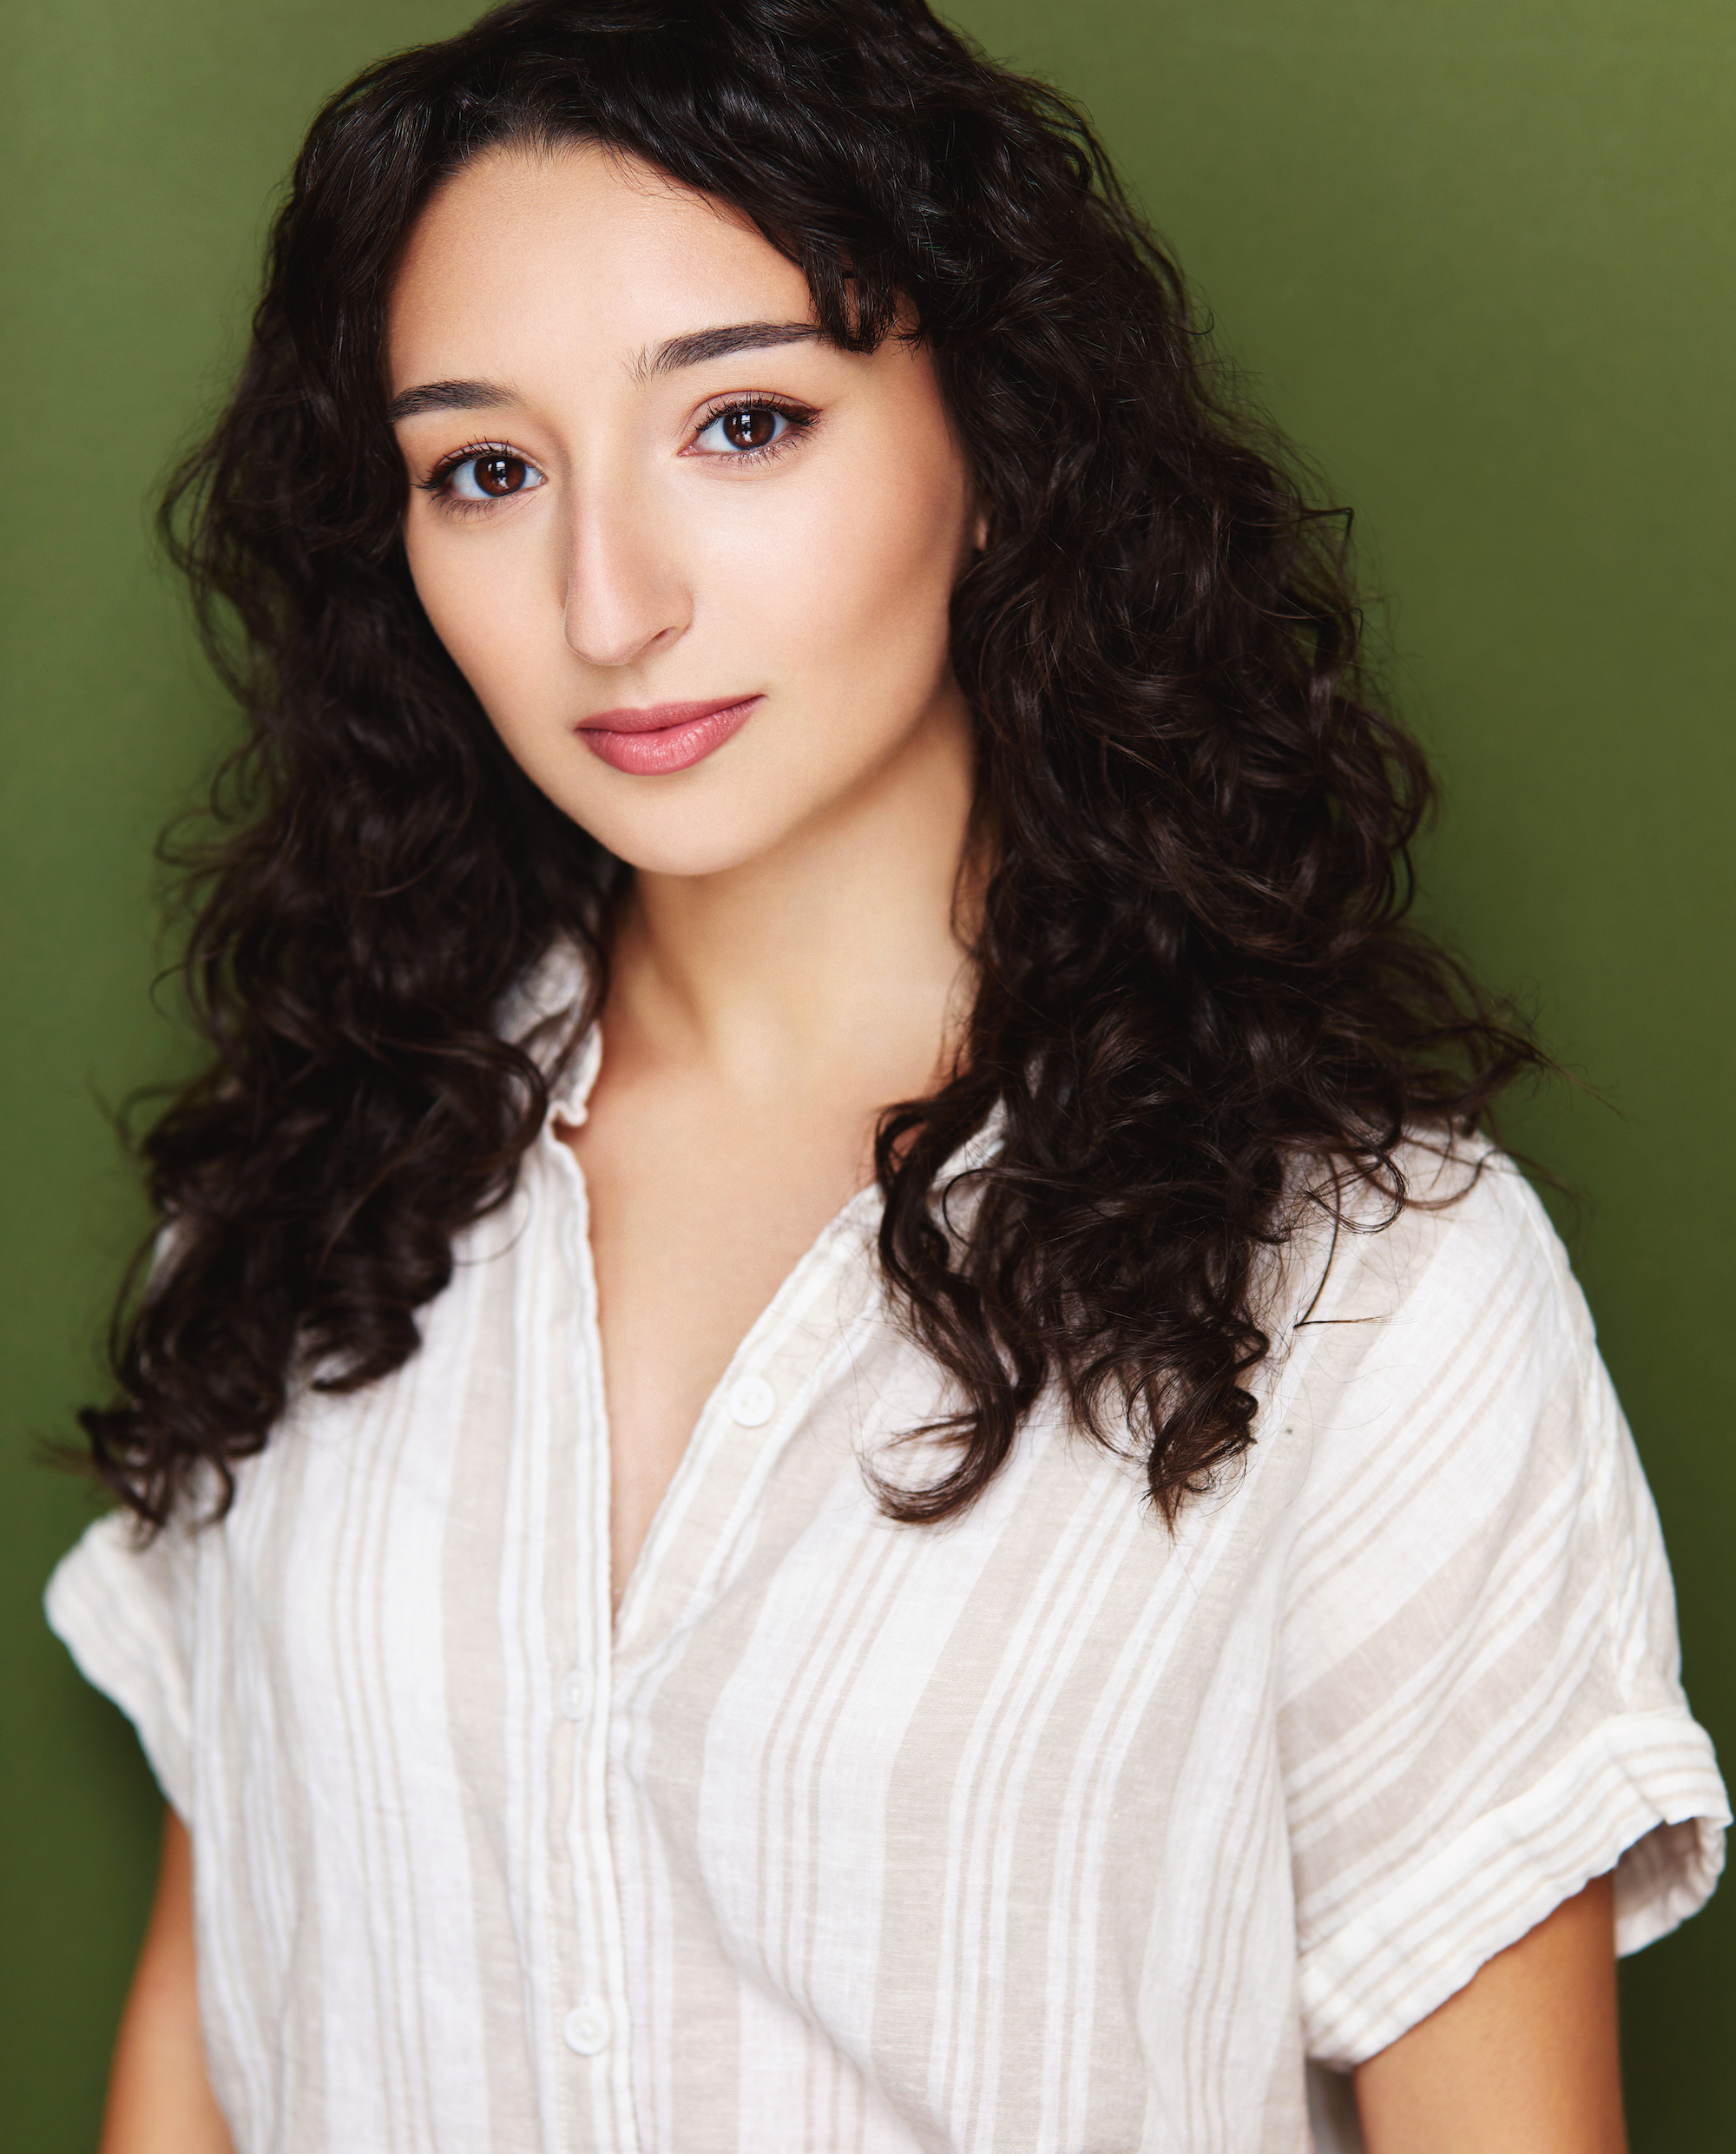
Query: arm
160 2099
1522 2061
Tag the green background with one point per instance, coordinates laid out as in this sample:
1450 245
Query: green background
1475 256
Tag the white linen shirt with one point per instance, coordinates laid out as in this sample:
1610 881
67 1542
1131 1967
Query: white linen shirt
1039 1832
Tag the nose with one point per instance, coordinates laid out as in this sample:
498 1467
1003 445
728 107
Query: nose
624 592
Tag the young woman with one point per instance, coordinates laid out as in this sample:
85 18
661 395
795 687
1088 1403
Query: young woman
846 1443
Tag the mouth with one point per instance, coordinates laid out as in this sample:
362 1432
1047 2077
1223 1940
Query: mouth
658 738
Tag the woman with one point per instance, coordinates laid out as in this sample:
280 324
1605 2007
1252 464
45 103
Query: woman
848 1445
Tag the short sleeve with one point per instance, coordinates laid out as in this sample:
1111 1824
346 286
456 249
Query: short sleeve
1479 1706
119 1607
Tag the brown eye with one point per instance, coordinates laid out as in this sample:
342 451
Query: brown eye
753 427
745 426
491 475
500 474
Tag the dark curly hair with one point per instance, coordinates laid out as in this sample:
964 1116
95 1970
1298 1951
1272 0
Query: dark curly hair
1198 992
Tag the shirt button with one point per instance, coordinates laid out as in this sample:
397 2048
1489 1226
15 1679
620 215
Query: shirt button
752 1402
586 2029
575 1693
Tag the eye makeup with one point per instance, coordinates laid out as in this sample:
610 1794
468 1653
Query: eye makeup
738 419
497 472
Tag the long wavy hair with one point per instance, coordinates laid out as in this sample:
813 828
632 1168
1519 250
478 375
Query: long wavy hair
1198 992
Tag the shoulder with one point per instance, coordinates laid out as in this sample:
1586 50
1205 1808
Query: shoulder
1434 1342
1459 1244
120 1602
1479 1701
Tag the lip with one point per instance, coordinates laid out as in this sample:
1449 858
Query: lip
661 737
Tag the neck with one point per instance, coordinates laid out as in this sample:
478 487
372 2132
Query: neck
839 949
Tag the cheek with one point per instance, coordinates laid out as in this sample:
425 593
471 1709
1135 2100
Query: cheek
482 601
860 565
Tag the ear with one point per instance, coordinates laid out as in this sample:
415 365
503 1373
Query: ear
980 529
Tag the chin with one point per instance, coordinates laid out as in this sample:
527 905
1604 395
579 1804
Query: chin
695 837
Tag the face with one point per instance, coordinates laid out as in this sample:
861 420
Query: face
694 561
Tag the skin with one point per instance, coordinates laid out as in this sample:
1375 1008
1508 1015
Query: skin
160 2099
789 960
1522 2060
793 956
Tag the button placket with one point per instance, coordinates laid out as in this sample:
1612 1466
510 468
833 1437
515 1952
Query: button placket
587 2028
590 1975
803 1333
752 1402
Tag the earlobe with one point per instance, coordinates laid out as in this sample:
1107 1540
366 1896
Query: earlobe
979 531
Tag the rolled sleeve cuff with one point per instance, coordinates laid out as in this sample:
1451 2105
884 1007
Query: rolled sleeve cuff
1640 1796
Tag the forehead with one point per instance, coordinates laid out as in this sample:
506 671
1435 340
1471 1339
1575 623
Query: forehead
573 255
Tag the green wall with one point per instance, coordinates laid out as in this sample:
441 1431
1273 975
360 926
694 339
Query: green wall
1476 256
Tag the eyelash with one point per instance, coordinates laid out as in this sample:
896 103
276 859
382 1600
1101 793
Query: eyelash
439 482
801 421
801 416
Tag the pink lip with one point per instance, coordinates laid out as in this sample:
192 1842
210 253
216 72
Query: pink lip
662 737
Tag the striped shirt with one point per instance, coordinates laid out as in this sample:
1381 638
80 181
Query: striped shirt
1040 1832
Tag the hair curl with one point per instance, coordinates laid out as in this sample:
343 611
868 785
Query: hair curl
1197 978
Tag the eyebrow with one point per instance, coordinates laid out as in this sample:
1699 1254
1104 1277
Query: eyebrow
446 396
692 350
701 345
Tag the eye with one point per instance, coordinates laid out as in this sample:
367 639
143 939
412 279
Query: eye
748 429
486 474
